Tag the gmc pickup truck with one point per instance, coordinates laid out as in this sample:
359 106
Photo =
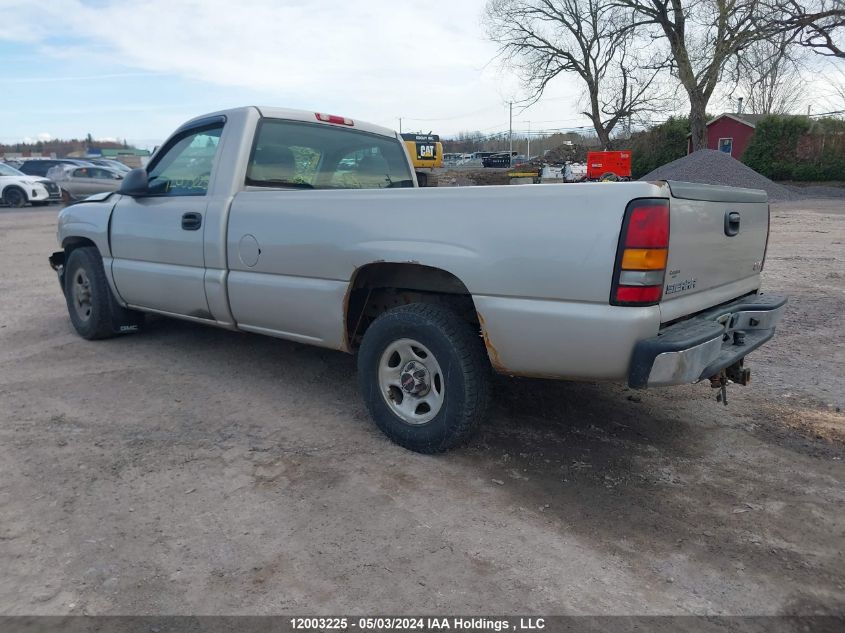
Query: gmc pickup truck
310 227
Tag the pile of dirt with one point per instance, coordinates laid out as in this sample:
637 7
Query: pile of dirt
465 177
712 167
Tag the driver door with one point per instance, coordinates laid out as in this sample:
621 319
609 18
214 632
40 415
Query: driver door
157 239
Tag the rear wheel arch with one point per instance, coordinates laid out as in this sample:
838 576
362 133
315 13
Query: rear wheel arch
381 286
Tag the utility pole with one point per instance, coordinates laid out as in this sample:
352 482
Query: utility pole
528 150
400 125
510 134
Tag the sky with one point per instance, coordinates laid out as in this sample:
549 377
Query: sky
118 69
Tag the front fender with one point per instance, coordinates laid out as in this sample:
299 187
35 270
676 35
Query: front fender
87 221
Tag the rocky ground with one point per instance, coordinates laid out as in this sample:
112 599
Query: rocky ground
191 470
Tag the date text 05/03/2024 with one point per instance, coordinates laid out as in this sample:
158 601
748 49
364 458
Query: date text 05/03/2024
418 623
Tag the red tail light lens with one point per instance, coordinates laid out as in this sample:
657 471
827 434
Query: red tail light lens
642 254
648 227
638 294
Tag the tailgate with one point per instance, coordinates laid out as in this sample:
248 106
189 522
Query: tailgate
717 244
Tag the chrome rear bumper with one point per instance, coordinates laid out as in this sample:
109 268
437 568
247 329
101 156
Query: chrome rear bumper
701 347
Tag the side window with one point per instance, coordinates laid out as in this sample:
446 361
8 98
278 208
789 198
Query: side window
82 172
185 166
296 154
100 174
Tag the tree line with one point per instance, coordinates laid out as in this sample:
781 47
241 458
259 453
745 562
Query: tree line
782 148
636 58
61 147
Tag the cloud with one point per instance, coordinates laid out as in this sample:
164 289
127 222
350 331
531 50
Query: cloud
391 58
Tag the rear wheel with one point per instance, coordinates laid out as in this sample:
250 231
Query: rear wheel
93 310
14 197
424 376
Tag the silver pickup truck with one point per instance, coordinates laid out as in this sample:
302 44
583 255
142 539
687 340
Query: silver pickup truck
310 227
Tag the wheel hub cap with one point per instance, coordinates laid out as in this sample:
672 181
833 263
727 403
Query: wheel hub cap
415 379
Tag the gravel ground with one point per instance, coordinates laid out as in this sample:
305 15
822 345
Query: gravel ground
712 167
193 470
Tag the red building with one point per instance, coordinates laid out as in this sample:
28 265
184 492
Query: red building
730 133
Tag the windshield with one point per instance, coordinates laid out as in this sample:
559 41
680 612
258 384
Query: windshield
7 170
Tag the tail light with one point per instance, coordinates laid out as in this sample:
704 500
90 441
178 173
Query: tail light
333 118
642 254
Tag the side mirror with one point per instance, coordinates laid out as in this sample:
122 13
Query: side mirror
134 183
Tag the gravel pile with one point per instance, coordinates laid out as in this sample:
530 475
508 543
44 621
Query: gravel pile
712 167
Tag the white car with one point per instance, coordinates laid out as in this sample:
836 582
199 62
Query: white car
16 188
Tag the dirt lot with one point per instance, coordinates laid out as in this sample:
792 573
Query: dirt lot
190 470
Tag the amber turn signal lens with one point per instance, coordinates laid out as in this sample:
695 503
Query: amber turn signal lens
644 258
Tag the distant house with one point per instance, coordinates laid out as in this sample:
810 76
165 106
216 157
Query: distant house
730 132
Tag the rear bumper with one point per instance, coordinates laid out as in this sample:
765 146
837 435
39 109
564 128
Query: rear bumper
701 347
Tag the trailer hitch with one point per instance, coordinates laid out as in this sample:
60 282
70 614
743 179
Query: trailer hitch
736 374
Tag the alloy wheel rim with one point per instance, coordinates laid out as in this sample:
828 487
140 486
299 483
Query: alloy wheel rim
82 294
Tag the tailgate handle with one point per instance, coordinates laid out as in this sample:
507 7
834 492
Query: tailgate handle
731 223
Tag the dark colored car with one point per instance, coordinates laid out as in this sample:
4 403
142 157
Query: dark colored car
497 160
40 167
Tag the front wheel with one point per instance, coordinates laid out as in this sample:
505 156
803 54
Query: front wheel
93 310
424 376
14 197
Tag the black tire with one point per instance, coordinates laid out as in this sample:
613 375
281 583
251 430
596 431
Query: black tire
92 308
461 362
14 197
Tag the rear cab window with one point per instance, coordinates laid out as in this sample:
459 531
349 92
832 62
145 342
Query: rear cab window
300 155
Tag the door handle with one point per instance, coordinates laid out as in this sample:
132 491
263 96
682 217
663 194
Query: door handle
731 223
191 221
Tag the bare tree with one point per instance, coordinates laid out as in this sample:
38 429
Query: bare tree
769 75
817 24
592 39
705 38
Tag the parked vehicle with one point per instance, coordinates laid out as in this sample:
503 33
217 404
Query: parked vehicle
609 166
502 159
426 153
80 182
114 165
40 166
17 189
251 219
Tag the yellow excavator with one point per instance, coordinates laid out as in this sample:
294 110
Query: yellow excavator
426 152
